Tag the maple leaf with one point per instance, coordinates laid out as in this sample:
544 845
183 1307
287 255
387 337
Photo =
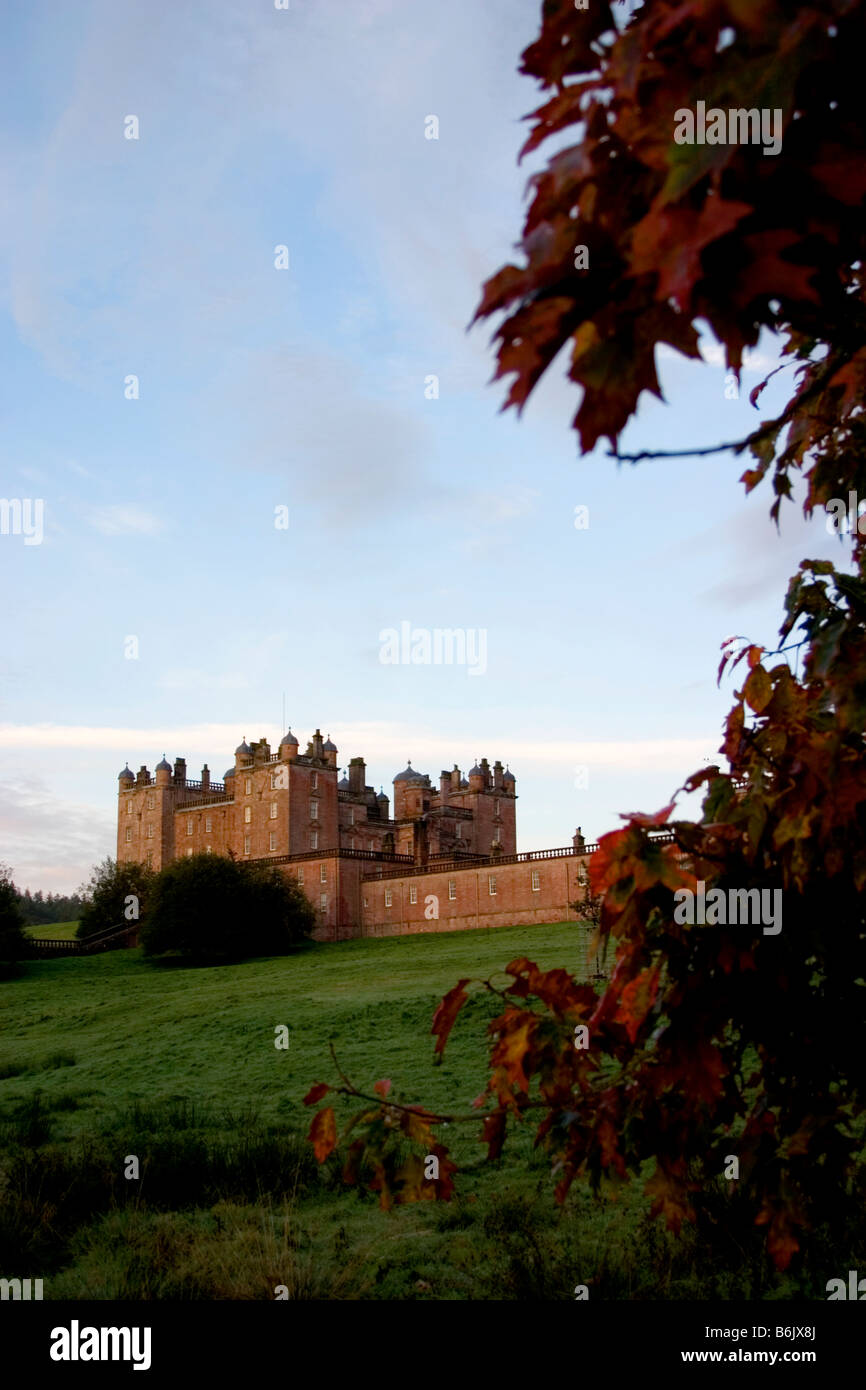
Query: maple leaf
323 1133
316 1092
636 1001
446 1014
668 243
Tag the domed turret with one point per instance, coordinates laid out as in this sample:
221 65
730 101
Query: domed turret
163 772
383 803
508 777
126 775
289 747
229 774
410 774
243 750
329 752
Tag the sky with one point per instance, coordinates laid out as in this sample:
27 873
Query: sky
247 477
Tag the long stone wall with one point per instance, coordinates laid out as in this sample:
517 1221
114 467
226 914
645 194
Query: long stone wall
534 889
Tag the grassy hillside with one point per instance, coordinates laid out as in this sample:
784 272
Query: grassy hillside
105 1057
57 931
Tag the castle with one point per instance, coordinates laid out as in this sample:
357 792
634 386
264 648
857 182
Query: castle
446 859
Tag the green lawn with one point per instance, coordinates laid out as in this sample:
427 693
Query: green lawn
106 1056
54 931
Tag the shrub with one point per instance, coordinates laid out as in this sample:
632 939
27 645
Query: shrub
13 942
208 908
108 892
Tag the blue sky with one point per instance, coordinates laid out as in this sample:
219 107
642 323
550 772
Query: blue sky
305 388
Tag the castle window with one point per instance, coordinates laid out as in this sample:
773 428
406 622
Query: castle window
246 844
372 844
301 877
491 885
452 889
314 810
128 805
314 839
352 816
208 825
150 832
248 785
248 814
323 902
458 831
413 892
365 902
496 807
148 859
273 810
314 781
272 844
189 852
388 897
189 825
128 833
150 801
536 880
207 849
323 873
581 873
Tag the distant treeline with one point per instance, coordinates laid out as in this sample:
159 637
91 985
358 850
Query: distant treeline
41 908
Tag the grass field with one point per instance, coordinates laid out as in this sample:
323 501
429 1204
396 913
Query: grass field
54 931
107 1056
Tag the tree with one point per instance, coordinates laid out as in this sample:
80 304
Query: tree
115 894
210 908
710 1040
13 941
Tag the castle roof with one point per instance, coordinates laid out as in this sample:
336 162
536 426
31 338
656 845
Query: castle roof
508 776
476 771
343 784
288 738
243 749
381 796
163 766
410 774
230 773
126 775
328 746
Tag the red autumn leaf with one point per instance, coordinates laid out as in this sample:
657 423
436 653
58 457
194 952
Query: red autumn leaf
323 1133
636 1001
382 1087
493 1133
316 1092
446 1014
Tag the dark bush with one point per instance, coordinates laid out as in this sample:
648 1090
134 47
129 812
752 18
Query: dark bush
116 893
13 942
210 909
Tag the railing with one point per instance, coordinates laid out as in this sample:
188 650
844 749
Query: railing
113 939
202 786
492 860
334 853
219 799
